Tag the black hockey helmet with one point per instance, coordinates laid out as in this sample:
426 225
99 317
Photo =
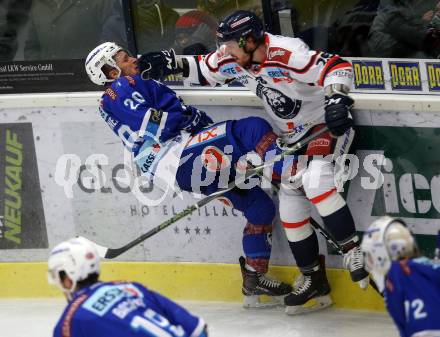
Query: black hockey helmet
238 25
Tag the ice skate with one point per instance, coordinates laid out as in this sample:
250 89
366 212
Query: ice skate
311 293
256 284
354 263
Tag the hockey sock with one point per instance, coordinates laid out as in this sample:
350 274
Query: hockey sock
341 224
257 246
306 252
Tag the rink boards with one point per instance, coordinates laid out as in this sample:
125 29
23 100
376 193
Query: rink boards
183 281
88 193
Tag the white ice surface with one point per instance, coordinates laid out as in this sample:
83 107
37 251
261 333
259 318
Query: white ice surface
36 318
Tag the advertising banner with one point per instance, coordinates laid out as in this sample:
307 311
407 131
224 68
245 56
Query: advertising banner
404 76
410 178
44 76
22 222
88 187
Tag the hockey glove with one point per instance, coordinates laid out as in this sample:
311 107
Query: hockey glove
196 121
158 65
337 114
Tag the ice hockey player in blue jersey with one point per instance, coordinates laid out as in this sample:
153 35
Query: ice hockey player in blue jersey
104 309
410 282
301 90
178 143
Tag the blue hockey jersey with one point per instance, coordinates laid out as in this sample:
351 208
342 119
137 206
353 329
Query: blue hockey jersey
412 296
125 309
136 109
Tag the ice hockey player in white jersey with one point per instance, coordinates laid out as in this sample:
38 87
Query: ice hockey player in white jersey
302 90
410 282
117 309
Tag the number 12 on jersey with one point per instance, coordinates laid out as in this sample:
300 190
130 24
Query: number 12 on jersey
414 309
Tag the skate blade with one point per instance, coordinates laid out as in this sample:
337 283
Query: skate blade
317 303
261 301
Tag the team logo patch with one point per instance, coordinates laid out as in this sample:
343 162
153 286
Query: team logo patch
279 55
214 160
281 105
156 116
111 93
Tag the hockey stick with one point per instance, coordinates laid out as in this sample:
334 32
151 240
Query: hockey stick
111 253
327 236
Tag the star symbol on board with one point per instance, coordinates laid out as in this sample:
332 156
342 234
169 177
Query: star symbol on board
176 230
187 230
207 230
197 230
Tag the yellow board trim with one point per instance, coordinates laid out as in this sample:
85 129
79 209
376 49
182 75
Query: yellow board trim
181 281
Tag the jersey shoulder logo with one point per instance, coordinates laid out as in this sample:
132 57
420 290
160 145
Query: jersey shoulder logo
278 54
111 93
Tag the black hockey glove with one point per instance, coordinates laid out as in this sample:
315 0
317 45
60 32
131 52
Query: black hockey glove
337 114
196 121
158 65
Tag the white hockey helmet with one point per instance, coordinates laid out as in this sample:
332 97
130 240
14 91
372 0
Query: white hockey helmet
386 240
97 58
77 258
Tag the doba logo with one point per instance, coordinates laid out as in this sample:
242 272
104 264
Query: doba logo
213 159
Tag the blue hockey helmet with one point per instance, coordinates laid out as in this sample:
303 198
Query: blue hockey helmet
237 26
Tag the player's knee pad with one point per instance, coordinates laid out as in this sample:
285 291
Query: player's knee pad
318 177
297 231
257 245
319 186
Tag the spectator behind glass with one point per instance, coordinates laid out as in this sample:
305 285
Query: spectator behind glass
195 33
69 29
154 24
406 28
13 16
348 36
222 8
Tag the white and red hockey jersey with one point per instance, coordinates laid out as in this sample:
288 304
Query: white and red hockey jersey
290 81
